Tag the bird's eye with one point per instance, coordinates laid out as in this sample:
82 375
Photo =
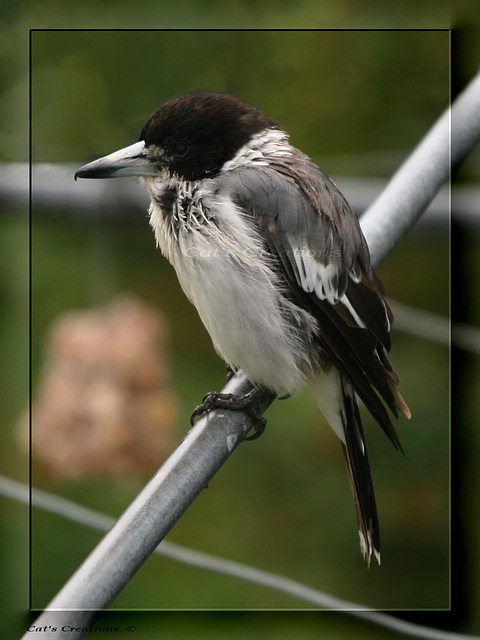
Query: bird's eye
180 148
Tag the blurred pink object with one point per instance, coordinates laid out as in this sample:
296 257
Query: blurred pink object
104 405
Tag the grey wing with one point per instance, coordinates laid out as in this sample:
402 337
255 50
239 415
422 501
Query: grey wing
308 225
316 242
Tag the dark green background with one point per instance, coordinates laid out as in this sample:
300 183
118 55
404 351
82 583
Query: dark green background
357 102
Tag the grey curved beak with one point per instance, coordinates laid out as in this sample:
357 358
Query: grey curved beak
130 161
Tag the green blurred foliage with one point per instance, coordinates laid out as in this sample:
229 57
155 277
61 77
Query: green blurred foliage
359 99
93 89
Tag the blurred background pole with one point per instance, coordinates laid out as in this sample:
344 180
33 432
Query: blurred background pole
111 565
422 174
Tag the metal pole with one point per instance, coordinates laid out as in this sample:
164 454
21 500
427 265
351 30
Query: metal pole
108 569
110 566
422 174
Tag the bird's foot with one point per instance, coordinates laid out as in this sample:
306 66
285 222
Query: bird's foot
214 400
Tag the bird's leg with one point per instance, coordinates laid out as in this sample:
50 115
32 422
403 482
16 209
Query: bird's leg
214 400
230 372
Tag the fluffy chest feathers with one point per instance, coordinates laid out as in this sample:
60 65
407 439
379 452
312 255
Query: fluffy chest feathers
227 273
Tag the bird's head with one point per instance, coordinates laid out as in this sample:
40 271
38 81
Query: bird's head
190 138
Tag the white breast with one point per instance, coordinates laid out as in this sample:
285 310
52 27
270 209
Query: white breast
226 275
